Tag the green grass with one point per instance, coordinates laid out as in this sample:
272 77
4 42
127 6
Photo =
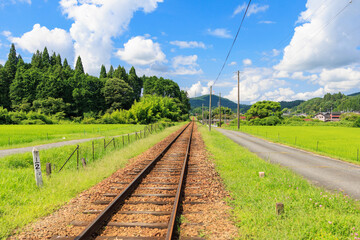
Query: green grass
310 212
21 202
338 142
14 136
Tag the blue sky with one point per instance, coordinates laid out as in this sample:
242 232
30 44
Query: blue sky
286 50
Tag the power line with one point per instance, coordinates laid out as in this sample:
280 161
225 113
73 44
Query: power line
232 45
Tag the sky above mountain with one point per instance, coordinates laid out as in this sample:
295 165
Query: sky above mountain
286 50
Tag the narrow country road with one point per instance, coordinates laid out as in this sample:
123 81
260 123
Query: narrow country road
6 152
322 171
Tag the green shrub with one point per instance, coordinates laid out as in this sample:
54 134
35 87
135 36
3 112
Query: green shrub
357 123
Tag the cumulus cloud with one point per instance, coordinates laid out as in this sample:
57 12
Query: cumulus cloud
190 44
253 9
340 79
247 62
219 32
141 51
232 64
56 40
254 82
325 39
198 89
186 65
96 22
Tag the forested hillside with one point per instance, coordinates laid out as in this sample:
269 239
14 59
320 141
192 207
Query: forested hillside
48 85
198 101
335 102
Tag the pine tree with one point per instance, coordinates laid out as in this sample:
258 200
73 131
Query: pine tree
10 65
36 60
111 72
79 66
58 60
103 72
53 59
65 64
45 58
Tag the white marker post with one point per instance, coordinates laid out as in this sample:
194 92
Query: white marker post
37 167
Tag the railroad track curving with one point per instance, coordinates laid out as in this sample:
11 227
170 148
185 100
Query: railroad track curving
149 202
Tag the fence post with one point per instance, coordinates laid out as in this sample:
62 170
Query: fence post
77 158
114 143
128 138
295 140
93 150
358 154
140 134
317 145
83 162
123 141
48 169
37 167
104 144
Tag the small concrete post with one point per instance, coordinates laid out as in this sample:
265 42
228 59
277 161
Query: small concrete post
48 169
37 167
261 174
279 208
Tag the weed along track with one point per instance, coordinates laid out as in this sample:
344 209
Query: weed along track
147 205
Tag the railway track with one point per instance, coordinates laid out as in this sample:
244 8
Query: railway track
148 203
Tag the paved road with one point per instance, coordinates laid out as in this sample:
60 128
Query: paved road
7 152
323 171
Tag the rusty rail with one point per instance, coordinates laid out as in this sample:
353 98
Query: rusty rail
91 231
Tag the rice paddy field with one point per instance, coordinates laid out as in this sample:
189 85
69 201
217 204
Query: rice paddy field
338 142
22 202
14 136
310 212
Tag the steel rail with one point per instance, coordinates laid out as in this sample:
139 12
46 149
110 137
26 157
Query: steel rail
172 221
91 231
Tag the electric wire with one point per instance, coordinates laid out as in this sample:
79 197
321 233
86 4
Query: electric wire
232 45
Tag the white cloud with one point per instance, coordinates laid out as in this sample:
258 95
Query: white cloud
267 22
56 40
96 22
2 62
281 74
340 79
6 2
191 44
141 51
324 40
219 32
6 33
281 94
253 9
232 63
254 82
198 90
247 62
186 65
300 76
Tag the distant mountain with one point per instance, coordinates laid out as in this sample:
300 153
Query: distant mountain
354 94
198 101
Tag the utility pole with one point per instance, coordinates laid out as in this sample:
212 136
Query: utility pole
210 109
220 108
202 114
238 103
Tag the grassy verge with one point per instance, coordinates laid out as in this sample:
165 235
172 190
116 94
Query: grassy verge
338 142
15 136
310 212
21 202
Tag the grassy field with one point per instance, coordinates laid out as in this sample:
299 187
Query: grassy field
13 136
310 212
338 142
22 202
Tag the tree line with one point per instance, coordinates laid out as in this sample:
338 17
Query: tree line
50 86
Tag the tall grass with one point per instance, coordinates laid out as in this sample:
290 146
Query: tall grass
12 136
22 202
310 212
339 142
